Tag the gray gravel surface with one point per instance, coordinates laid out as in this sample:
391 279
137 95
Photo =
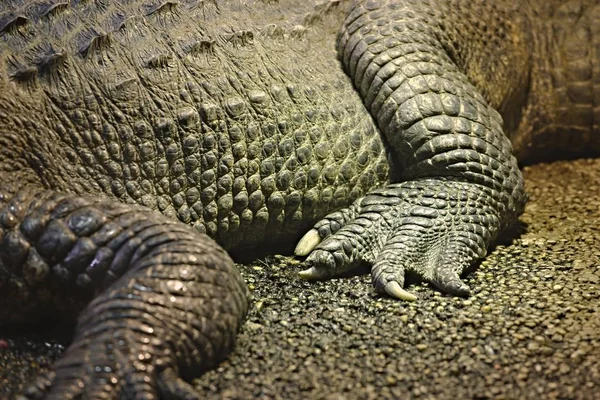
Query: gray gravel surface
531 329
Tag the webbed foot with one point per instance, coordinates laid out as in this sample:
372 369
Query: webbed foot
434 228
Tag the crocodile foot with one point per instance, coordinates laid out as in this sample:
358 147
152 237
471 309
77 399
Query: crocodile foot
434 228
150 333
123 371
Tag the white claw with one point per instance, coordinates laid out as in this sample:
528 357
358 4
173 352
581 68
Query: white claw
395 290
308 242
311 273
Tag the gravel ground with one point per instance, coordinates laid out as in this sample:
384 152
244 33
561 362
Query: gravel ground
531 330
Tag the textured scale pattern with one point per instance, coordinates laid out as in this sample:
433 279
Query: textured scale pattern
170 301
129 129
563 114
445 136
190 115
432 82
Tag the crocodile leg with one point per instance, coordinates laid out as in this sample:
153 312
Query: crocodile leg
461 184
167 301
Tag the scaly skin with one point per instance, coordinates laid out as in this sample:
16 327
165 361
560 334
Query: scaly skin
167 302
462 185
249 130
432 74
186 109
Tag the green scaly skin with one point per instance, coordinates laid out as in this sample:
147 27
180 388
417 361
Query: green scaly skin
132 132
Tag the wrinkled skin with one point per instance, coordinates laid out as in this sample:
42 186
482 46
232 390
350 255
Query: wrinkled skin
133 132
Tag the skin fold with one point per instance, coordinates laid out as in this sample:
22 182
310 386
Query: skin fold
141 141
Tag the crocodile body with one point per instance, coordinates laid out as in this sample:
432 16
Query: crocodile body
130 130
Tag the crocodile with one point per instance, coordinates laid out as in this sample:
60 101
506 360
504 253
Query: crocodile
143 141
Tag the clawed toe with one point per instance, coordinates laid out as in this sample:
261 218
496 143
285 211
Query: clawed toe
395 290
308 243
406 228
448 281
313 273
